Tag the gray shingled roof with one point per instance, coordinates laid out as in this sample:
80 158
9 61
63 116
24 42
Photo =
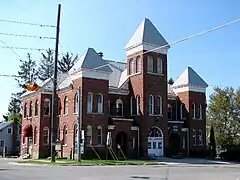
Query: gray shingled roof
4 124
190 77
91 60
146 33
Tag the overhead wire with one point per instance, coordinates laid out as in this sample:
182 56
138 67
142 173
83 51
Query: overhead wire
23 48
28 36
11 49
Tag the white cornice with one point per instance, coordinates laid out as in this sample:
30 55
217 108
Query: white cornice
186 88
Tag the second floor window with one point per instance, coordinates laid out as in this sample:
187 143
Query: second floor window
131 66
149 64
75 103
89 102
119 107
46 107
30 109
150 104
159 66
36 108
100 103
193 111
138 64
66 105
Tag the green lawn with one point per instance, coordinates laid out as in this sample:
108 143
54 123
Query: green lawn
90 162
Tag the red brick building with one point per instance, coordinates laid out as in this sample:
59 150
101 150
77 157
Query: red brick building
132 100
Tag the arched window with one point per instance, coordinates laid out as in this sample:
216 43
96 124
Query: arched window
200 112
59 106
46 135
65 110
131 105
119 107
75 103
89 135
99 135
25 110
100 103
46 107
200 137
89 102
138 104
193 111
169 111
65 133
35 135
30 109
183 111
159 66
36 108
151 104
149 64
138 64
159 105
131 66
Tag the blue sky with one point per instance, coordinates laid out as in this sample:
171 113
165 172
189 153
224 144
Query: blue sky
107 25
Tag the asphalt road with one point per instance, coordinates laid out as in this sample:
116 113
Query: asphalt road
28 172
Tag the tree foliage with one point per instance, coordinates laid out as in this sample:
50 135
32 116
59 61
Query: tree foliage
223 111
66 62
171 81
46 66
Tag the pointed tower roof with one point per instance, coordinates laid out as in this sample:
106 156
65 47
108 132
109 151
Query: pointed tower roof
91 60
146 33
189 77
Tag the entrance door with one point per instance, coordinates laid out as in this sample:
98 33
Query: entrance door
155 142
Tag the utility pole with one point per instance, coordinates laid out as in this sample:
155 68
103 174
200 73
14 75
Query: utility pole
79 122
54 122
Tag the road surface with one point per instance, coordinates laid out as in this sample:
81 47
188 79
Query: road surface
30 172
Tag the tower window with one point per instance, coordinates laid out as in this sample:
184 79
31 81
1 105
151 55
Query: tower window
138 64
131 66
150 64
159 66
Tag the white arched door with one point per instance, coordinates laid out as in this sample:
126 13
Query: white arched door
155 142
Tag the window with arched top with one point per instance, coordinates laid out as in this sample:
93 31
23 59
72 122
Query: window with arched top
131 66
138 104
100 103
36 108
200 112
89 135
193 111
200 137
30 109
119 107
35 135
65 133
75 110
138 64
65 110
169 111
149 64
46 107
89 102
99 135
159 105
25 110
159 66
46 135
183 111
150 104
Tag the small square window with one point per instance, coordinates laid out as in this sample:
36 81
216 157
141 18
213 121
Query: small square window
9 130
2 143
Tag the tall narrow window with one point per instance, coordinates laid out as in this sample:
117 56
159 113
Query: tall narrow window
200 139
76 103
89 135
138 104
46 107
65 133
131 105
131 66
193 111
99 135
151 104
59 106
200 112
159 105
119 107
35 135
169 111
159 66
30 109
66 105
149 64
36 108
100 103
109 108
45 135
183 111
138 64
25 110
89 102
194 137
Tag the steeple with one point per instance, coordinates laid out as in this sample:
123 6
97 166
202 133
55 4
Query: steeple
146 36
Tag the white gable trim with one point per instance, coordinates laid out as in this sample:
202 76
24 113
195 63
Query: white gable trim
189 88
90 74
147 47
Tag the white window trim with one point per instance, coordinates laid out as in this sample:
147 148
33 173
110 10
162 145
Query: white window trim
151 106
75 110
36 107
31 109
138 65
49 104
100 105
131 105
193 111
200 134
160 105
89 102
138 100
150 64
119 101
66 105
159 70
200 112
131 66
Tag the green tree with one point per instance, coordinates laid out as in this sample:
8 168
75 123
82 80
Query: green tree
171 81
212 144
46 66
67 62
223 116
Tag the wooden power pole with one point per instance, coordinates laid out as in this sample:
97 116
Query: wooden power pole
54 122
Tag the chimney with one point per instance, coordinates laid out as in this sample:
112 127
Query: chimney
100 54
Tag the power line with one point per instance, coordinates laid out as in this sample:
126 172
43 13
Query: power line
23 48
29 36
9 75
27 23
10 48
